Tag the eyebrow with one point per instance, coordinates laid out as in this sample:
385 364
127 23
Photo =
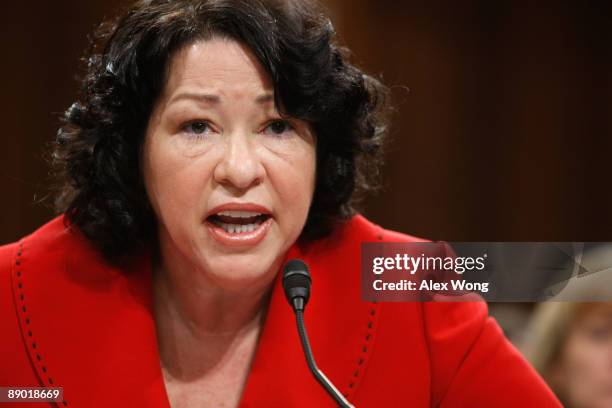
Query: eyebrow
216 99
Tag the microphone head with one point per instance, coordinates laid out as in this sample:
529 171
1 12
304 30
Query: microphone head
296 281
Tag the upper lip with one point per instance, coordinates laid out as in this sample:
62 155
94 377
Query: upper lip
252 207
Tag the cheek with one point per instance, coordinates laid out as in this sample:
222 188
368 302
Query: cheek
291 180
300 186
295 181
585 363
174 182
586 374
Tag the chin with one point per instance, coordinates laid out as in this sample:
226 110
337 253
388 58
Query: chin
241 272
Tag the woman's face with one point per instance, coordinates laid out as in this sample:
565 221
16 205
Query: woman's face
585 371
230 181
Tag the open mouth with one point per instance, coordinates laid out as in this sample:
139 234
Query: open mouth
238 222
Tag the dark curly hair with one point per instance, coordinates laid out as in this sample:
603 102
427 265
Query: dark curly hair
96 155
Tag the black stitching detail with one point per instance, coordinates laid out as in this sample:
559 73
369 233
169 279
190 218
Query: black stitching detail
364 350
26 318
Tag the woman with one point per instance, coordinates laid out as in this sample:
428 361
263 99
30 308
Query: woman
571 346
213 141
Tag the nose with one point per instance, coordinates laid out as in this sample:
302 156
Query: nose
240 166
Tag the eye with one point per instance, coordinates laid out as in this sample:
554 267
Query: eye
197 127
277 128
600 333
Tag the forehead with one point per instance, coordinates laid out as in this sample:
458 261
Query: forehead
219 64
595 310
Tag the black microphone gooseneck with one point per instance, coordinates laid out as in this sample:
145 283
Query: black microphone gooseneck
296 281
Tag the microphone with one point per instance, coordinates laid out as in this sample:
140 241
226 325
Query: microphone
296 282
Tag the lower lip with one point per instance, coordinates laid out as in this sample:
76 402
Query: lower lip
240 239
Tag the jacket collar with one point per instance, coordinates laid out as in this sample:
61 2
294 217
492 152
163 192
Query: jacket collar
88 326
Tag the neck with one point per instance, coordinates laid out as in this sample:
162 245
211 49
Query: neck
202 327
204 310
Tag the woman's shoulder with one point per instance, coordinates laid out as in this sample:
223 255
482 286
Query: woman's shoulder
43 256
59 300
44 243
15 368
464 347
360 228
53 250
50 238
15 303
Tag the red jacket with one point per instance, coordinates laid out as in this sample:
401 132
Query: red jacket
69 319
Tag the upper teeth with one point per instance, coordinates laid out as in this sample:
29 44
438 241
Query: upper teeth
239 214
